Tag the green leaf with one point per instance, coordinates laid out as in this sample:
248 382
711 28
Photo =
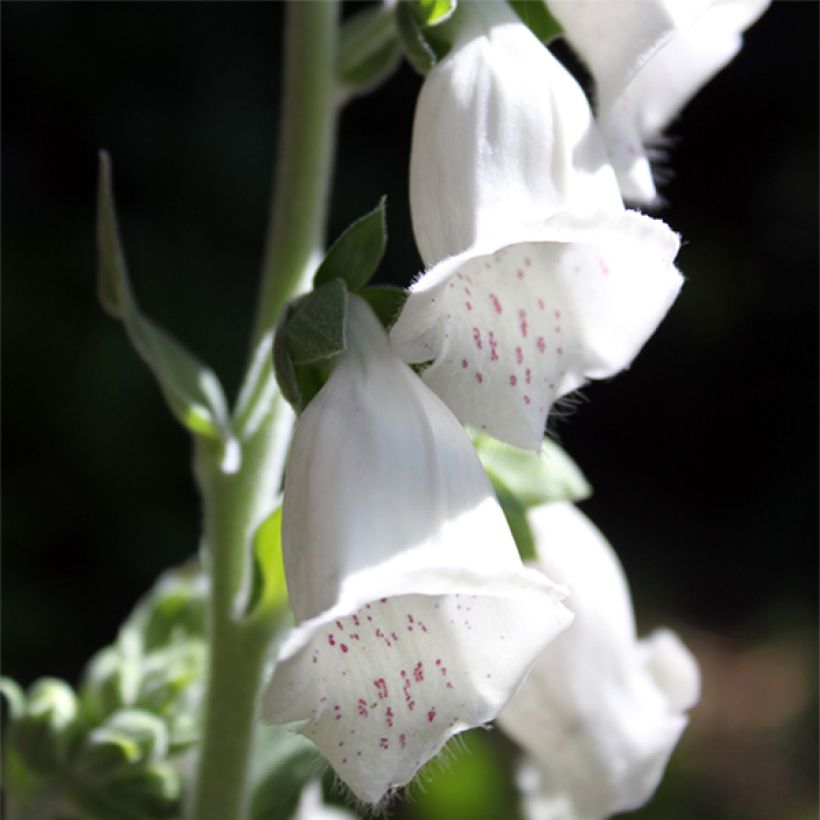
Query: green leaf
14 696
386 302
44 733
369 50
356 254
417 49
534 478
536 16
110 681
129 738
269 592
316 328
284 368
283 762
191 389
433 12
154 791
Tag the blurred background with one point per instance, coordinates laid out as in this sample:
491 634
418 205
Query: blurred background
703 457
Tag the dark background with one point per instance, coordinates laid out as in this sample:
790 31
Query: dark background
703 456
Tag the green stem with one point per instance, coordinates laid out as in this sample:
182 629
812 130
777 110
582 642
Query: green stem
305 157
236 504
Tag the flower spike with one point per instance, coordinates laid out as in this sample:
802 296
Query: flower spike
600 712
416 618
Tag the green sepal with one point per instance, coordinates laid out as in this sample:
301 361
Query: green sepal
534 478
386 301
369 49
310 333
356 254
283 366
129 738
43 735
515 511
433 12
269 592
316 328
191 389
418 48
537 17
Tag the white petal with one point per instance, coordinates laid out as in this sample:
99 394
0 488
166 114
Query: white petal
512 328
417 618
615 38
503 136
600 711
648 59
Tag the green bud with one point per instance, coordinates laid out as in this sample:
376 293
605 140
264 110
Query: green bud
43 734
129 738
110 681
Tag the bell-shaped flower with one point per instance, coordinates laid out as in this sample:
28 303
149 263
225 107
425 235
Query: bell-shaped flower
648 60
416 619
540 278
601 711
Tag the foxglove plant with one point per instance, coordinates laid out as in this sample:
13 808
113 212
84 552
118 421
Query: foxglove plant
416 619
415 616
601 711
648 60
539 279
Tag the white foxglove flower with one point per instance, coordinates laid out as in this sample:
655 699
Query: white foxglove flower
416 618
540 279
601 711
648 59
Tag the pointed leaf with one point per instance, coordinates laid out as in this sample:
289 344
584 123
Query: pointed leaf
386 302
418 51
356 254
269 593
535 478
369 50
433 12
191 389
316 328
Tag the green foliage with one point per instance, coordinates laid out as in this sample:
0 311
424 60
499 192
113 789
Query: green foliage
191 389
523 479
315 329
416 21
356 254
386 302
369 50
433 12
269 592
536 15
111 750
283 762
310 333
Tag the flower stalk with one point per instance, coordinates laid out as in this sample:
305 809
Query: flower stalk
235 504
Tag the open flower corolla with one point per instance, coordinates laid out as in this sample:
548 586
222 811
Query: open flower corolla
539 278
601 711
416 619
